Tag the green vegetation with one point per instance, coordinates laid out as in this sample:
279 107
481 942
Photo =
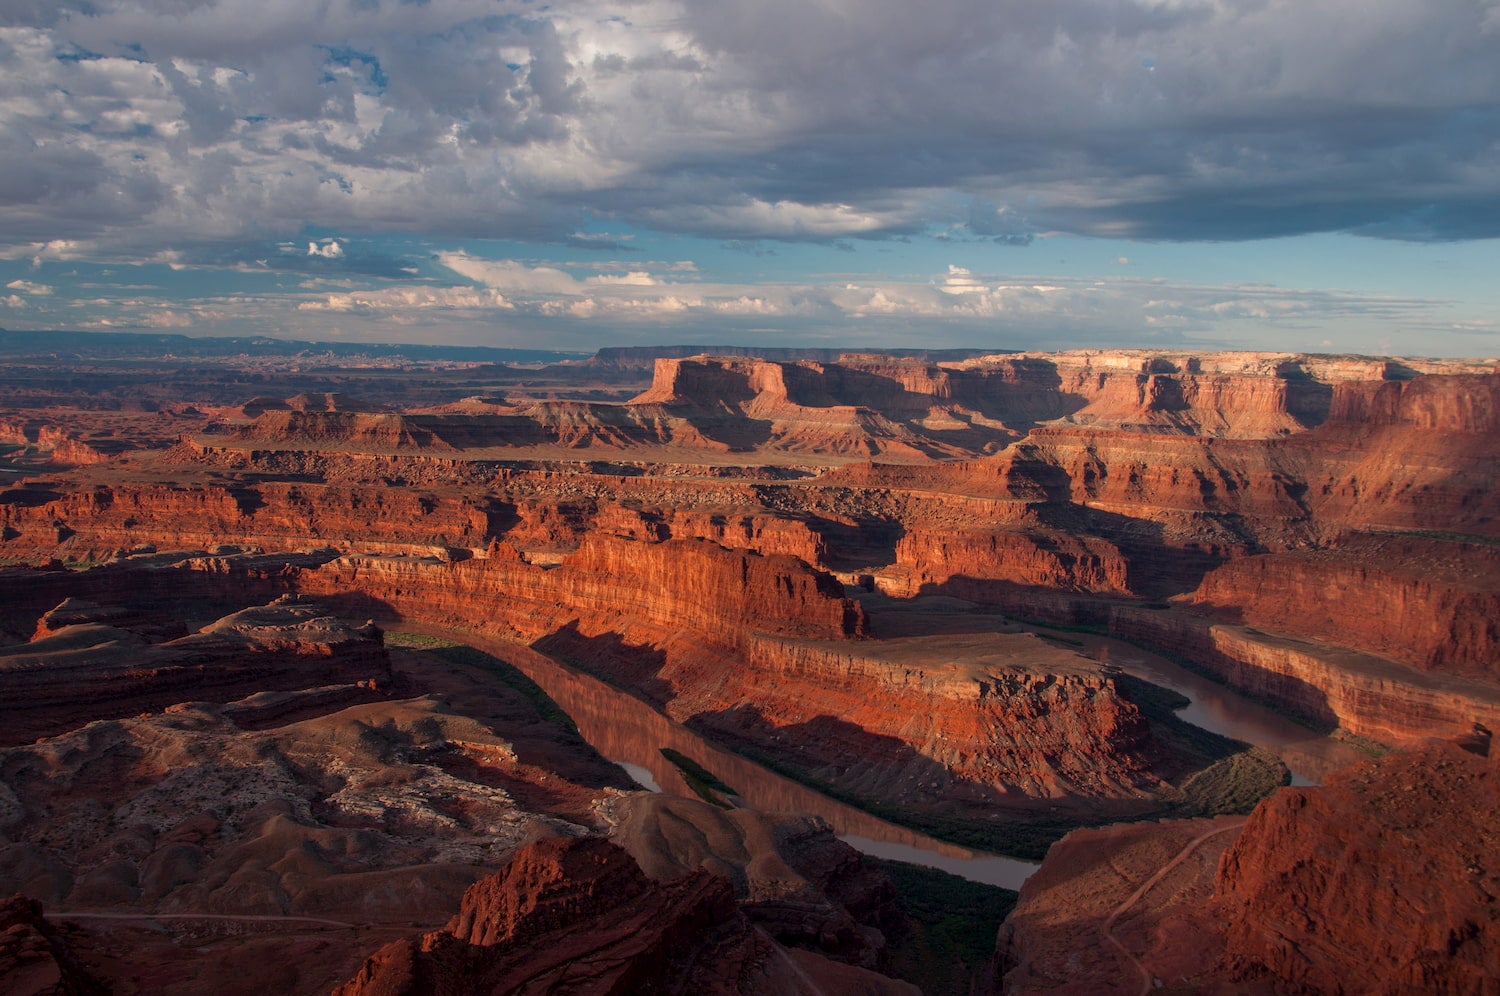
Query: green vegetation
956 925
1366 746
1234 776
705 783
1060 639
509 676
1233 784
417 641
1228 777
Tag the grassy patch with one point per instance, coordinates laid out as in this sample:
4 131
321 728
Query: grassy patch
703 782
1233 784
417 641
957 921
1366 746
1234 776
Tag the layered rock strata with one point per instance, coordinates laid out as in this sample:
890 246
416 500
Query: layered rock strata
1382 881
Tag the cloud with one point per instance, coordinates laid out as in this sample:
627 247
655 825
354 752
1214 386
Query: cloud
28 287
635 278
325 248
397 301
129 125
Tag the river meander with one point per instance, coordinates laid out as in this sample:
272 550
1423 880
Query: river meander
631 733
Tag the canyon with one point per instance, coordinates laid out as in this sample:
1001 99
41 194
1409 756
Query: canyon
295 651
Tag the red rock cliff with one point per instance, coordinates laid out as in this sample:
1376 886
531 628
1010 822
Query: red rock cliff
1383 881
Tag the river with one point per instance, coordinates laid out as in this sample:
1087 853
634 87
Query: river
632 733
1309 755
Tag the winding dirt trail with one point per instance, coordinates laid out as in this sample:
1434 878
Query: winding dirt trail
1108 927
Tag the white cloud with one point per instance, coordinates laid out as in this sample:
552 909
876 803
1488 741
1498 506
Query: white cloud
27 287
167 319
635 278
326 248
397 300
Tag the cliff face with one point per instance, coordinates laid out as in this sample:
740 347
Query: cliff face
721 638
1435 604
1327 686
950 560
609 584
103 519
1382 881
901 727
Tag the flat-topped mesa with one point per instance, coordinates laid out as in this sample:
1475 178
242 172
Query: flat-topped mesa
712 383
335 429
904 723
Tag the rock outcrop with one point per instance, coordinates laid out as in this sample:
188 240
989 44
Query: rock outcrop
1383 881
792 876
578 915
85 670
35 959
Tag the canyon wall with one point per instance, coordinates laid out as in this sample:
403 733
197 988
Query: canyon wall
1327 686
1432 604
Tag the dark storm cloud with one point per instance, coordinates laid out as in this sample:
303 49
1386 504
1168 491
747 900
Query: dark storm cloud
139 124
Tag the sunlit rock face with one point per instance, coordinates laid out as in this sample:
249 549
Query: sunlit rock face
1382 881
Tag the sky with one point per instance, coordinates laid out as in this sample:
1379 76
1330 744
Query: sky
1306 175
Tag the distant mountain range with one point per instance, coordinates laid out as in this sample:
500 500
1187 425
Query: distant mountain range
153 345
